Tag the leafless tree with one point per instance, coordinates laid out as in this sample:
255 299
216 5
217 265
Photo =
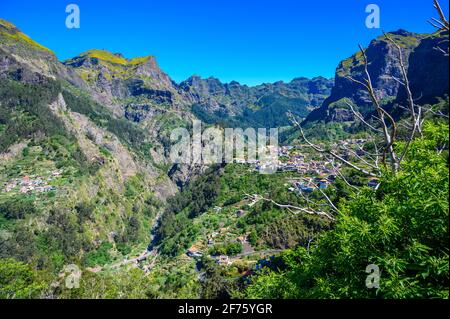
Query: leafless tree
386 153
255 198
440 24
384 124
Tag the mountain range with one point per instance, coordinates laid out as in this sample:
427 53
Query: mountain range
97 127
138 90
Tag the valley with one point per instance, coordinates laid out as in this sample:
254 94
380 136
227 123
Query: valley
86 178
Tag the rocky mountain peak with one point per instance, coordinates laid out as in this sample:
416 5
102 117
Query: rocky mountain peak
94 56
423 62
403 33
16 41
8 26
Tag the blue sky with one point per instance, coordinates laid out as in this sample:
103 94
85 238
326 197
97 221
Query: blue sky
251 41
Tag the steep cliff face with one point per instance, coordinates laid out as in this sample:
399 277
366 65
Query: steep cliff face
92 75
128 86
428 69
139 91
423 63
89 174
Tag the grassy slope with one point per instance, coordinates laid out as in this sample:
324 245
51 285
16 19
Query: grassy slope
90 201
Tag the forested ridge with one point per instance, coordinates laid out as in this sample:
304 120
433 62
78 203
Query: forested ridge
357 208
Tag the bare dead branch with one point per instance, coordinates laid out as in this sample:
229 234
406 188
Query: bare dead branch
412 107
291 208
389 136
442 51
441 25
344 179
361 118
396 79
433 24
309 201
443 20
333 154
415 114
436 113
330 202
442 148
362 159
357 81
369 154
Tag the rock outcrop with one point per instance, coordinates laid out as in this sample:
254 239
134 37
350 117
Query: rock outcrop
427 70
265 105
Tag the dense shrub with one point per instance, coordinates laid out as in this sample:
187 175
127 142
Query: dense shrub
402 228
17 208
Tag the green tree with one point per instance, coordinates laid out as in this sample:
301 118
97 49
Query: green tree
19 280
402 228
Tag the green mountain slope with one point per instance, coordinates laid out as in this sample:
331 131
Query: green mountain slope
78 184
86 180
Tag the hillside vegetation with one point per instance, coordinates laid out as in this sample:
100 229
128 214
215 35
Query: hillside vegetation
87 186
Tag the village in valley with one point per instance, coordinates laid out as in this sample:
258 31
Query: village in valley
32 184
314 171
306 172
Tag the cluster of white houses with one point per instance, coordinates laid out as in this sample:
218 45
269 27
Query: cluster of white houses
30 184
318 173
